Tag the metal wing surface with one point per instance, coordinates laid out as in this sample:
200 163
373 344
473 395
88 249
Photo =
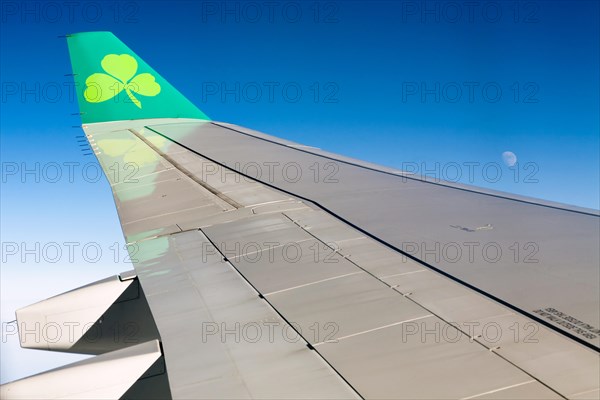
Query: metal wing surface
269 269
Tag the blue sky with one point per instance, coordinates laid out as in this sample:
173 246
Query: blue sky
388 82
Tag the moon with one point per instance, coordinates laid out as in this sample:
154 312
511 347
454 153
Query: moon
509 158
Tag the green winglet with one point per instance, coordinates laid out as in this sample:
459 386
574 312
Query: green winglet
114 84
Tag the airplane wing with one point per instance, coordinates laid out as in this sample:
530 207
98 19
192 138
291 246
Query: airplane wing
269 269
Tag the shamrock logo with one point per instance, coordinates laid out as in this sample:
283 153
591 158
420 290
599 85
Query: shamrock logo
120 69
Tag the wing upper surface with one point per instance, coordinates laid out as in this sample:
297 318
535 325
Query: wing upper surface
516 251
376 322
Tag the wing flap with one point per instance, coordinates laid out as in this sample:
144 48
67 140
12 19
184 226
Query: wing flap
221 340
107 376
